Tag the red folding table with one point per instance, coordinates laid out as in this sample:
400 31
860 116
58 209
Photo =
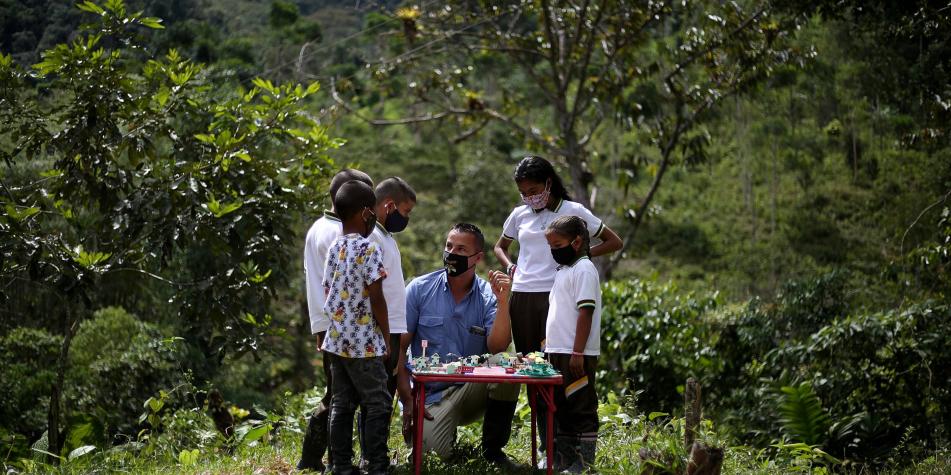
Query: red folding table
544 386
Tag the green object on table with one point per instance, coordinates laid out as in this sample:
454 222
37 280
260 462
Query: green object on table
538 370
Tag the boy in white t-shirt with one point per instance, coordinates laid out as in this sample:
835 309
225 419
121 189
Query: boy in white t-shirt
395 200
573 343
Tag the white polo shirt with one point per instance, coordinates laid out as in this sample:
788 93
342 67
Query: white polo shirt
320 237
535 271
576 286
394 288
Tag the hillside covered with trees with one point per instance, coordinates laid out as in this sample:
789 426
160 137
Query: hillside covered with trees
780 173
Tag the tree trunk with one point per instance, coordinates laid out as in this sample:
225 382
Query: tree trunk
56 394
704 460
692 412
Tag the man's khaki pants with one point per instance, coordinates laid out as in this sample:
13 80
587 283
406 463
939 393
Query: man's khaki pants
460 405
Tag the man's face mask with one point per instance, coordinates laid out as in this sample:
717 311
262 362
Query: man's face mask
456 264
395 221
540 200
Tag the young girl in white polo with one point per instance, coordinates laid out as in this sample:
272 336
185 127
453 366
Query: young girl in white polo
573 343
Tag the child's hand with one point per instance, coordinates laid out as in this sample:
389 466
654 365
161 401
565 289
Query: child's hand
576 366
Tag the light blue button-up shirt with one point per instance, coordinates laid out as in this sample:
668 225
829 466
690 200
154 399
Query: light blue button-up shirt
432 314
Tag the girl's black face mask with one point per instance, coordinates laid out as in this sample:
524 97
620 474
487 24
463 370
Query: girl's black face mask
564 255
456 264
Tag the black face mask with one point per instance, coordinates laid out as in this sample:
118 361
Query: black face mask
371 223
456 264
395 221
564 255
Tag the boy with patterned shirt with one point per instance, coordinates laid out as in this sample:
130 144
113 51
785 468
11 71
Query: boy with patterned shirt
320 237
356 338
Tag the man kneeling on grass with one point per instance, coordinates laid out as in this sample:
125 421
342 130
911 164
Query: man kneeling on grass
460 313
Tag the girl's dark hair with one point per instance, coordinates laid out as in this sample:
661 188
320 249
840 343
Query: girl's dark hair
572 227
537 169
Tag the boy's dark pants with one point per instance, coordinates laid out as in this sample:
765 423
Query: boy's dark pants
359 382
318 429
391 362
315 439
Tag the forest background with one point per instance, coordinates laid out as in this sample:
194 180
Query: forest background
781 174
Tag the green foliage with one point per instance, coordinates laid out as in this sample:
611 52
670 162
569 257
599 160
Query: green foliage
176 191
654 338
283 14
803 417
116 362
876 369
139 168
25 353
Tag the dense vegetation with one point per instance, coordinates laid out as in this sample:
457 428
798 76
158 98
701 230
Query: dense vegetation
785 197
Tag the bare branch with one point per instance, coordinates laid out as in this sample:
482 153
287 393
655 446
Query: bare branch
406 120
470 133
525 131
587 50
901 246
552 45
698 54
581 104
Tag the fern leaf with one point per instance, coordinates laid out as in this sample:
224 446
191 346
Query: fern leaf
803 417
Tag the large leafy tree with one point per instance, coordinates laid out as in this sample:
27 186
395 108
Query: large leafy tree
123 172
556 72
908 67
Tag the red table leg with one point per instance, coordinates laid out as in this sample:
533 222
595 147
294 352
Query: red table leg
531 403
420 402
550 425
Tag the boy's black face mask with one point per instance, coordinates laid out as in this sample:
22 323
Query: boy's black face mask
395 222
371 223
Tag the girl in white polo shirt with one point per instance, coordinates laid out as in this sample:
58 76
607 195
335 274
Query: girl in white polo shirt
574 343
533 274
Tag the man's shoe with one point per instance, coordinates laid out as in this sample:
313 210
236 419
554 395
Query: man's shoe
499 459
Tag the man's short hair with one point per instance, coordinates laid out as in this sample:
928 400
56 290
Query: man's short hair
352 197
473 230
396 189
345 175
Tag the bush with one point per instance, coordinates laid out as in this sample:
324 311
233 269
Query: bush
871 377
116 363
28 377
653 338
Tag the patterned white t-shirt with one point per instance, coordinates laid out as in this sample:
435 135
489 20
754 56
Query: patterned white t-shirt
353 263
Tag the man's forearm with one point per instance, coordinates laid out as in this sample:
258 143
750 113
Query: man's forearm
501 334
